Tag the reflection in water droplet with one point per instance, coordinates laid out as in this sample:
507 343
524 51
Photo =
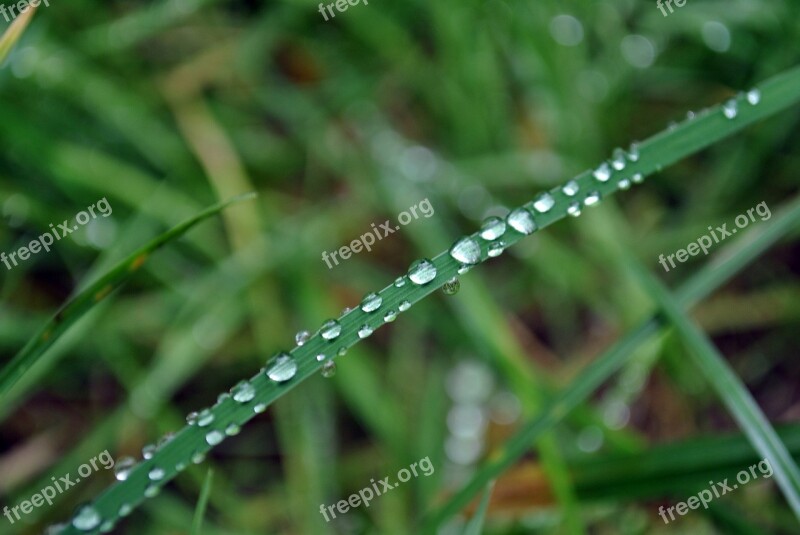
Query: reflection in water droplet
232 430
730 109
754 97
638 178
496 249
592 198
148 451
522 221
422 271
244 392
602 173
403 306
156 474
399 282
624 184
466 250
633 152
543 203
330 330
618 159
302 337
364 331
86 519
371 302
451 287
390 316
329 369
321 357
205 418
570 189
214 437
281 368
574 209
123 467
261 407
492 228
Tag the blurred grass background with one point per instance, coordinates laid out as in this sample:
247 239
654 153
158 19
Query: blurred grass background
166 107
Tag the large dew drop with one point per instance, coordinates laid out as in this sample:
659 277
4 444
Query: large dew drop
544 203
281 368
330 330
123 467
466 250
364 331
492 228
86 519
633 152
371 302
730 109
570 189
522 221
205 418
753 97
156 474
618 159
244 392
496 249
602 173
574 209
423 271
390 316
403 306
214 437
592 198
451 287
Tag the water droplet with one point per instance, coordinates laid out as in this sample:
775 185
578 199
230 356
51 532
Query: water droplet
364 331
107 526
281 368
618 159
522 221
156 474
148 451
180 467
754 97
222 398
574 209
638 178
423 271
492 228
543 203
198 457
602 173
205 418
371 302
592 198
464 269
302 337
261 407
451 287
86 519
624 184
633 152
672 126
730 109
321 357
570 189
331 329
125 509
55 529
214 437
232 430
346 310
191 418
690 115
403 306
151 491
466 250
166 439
329 369
123 467
496 249
390 316
342 351
244 392
399 282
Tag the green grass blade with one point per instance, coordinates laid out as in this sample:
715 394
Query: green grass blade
79 305
13 33
202 503
475 526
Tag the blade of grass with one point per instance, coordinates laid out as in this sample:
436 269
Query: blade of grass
200 512
91 295
14 32
475 526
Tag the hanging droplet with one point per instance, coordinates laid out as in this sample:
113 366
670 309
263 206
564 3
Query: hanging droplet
522 221
543 203
232 430
423 271
754 97
570 189
125 509
148 451
371 302
364 331
191 418
123 467
214 437
403 306
496 249
205 418
390 316
198 457
574 209
259 408
156 474
329 369
633 152
602 173
638 178
492 228
302 337
281 368
86 519
399 282
321 357
451 287
618 159
466 250
342 351
624 184
244 392
592 198
152 490
331 329
730 109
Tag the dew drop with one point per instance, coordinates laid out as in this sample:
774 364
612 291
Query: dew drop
399 282
222 398
570 189
55 529
364 331
730 109
232 430
371 302
346 310
753 97
466 250
180 467
86 519
151 491
329 369
205 418
496 249
302 337
191 418
148 451
321 357
244 392
522 221
403 306
602 173
261 407
451 287
492 228
543 203
107 526
331 329
198 457
214 437
423 271
281 368
342 351
125 509
618 159
166 439
574 209
633 152
592 198
156 474
464 269
390 316
638 178
624 184
123 467
690 115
